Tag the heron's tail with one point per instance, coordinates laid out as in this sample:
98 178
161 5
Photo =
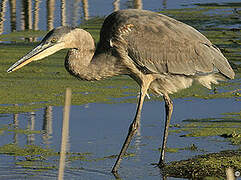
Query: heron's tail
221 63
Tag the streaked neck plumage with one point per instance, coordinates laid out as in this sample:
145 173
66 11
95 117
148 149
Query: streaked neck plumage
82 61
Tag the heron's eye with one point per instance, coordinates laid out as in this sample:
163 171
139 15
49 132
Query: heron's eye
54 40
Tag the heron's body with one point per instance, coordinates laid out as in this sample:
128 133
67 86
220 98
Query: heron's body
139 43
160 53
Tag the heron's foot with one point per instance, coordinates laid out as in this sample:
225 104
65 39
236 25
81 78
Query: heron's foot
161 164
115 173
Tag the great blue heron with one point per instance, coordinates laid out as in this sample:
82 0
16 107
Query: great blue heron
160 53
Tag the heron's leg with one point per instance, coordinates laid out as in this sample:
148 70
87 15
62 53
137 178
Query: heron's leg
169 109
133 127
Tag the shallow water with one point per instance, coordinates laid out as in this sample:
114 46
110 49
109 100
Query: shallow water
98 129
73 12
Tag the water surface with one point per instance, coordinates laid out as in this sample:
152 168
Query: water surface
32 98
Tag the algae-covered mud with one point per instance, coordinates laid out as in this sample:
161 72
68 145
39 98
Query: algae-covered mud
209 166
205 132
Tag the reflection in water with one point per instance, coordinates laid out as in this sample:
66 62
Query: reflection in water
24 15
47 125
36 15
83 138
31 125
63 13
50 14
76 13
13 14
2 15
85 9
137 4
15 125
15 134
27 12
137 144
164 4
116 5
27 17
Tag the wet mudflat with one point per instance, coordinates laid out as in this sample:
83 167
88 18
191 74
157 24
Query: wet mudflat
204 121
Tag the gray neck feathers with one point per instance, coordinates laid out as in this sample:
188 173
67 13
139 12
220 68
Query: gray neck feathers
83 64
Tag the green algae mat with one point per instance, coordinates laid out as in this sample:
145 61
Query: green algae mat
221 23
43 83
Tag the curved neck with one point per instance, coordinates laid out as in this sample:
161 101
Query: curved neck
83 63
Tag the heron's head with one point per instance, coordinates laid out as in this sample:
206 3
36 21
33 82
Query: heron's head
54 41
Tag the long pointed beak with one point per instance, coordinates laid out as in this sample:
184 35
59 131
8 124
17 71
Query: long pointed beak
29 57
39 52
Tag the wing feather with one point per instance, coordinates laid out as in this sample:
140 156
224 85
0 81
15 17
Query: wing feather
160 44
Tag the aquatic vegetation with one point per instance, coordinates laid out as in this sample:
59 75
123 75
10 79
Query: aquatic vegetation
37 158
30 152
75 156
192 147
204 166
126 155
12 129
43 83
227 126
22 36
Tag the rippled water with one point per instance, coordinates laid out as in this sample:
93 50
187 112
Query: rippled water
44 15
97 130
